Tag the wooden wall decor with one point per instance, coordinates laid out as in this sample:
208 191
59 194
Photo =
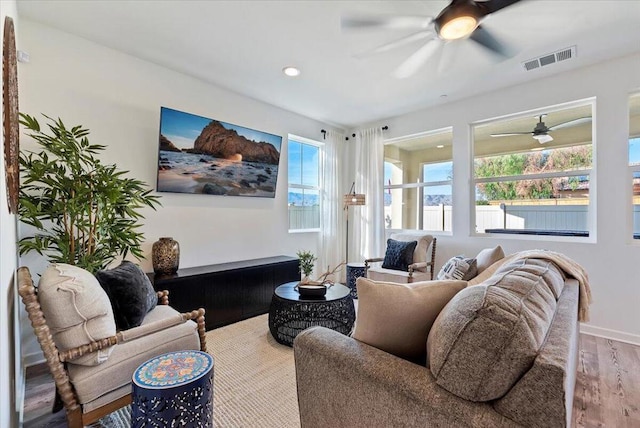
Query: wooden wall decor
11 127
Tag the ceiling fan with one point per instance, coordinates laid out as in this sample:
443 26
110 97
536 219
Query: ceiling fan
541 131
461 19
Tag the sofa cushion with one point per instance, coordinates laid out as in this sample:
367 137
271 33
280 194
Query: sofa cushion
488 256
488 335
77 310
131 294
458 267
92 383
399 254
397 317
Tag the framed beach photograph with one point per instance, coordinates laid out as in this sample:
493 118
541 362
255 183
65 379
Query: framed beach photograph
206 156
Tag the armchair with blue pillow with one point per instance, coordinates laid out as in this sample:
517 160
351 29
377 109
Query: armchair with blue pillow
409 257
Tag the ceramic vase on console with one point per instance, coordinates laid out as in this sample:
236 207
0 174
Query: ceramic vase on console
165 255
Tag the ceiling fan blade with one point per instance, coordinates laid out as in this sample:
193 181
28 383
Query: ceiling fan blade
488 41
510 134
449 52
494 5
574 122
411 38
393 22
412 64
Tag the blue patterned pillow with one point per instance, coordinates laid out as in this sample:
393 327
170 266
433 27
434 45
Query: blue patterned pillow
399 254
460 268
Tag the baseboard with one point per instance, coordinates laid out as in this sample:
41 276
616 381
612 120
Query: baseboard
33 359
620 336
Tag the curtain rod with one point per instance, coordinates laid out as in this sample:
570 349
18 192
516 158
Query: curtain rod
324 133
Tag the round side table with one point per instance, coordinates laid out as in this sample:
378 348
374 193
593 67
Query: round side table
355 271
290 313
173 389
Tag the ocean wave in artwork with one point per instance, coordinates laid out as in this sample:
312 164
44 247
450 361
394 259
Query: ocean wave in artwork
199 173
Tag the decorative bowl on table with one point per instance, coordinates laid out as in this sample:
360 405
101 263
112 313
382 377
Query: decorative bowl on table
312 290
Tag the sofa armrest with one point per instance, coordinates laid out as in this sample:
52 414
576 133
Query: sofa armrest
346 383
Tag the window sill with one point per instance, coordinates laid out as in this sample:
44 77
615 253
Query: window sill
541 232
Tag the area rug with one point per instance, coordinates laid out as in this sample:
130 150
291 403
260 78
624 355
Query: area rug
254 380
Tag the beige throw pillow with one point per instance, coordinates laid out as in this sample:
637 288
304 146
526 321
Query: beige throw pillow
488 272
397 317
77 310
487 257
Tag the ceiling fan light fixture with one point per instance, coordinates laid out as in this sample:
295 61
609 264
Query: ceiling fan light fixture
543 138
458 20
458 27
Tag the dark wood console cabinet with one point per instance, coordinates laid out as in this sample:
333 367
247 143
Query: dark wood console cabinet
229 292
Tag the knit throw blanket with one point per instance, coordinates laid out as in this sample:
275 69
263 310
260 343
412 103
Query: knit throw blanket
571 268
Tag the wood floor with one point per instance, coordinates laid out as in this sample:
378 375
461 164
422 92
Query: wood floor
607 390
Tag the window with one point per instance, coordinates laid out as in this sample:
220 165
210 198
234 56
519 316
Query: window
418 182
532 173
304 184
634 159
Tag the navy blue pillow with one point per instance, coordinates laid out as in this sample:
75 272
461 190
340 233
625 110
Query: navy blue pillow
399 254
130 292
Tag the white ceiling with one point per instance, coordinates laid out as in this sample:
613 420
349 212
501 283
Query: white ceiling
243 46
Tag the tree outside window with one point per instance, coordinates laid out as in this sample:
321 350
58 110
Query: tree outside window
523 186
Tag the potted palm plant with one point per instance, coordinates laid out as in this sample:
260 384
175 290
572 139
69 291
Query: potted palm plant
84 212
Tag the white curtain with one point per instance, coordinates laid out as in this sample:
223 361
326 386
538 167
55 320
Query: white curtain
368 220
331 221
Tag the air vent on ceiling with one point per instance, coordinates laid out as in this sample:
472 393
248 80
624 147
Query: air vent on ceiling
552 58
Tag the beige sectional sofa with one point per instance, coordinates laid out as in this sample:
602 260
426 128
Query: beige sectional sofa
502 353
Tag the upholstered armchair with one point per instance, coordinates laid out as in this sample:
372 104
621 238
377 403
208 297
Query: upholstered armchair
93 377
420 267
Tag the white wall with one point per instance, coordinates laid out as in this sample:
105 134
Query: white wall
118 98
612 258
10 402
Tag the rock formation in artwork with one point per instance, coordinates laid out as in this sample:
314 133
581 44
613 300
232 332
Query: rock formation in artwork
167 145
220 142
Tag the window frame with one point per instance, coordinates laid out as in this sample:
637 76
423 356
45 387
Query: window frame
591 173
321 153
419 184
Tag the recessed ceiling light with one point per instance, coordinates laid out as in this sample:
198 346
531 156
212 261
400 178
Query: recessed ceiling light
291 71
443 96
439 146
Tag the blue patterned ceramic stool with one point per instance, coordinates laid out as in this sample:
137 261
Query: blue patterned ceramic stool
173 390
354 271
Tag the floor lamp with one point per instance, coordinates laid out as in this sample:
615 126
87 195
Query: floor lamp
351 198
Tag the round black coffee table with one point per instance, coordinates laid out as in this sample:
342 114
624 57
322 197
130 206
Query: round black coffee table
291 313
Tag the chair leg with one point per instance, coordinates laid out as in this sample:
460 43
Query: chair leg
57 403
74 418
